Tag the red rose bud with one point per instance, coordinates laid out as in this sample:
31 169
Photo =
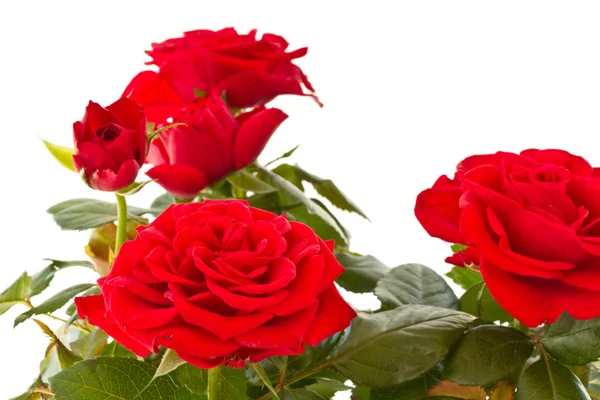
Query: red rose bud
532 223
212 144
250 71
220 282
110 144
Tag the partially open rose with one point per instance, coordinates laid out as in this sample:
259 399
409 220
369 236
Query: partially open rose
220 282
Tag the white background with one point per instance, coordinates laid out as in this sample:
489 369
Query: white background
410 88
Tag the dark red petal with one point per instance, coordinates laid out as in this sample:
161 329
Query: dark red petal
181 181
225 327
133 312
438 211
304 289
535 301
94 118
108 181
280 332
93 308
246 303
254 134
128 113
195 341
333 315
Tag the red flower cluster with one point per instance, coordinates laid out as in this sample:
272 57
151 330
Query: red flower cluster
195 73
220 282
532 224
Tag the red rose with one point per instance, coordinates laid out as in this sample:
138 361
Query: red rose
220 282
110 144
534 222
250 71
212 144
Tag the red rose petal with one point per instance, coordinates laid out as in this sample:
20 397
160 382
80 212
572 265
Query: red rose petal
333 315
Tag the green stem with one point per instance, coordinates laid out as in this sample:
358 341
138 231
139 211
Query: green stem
214 383
121 222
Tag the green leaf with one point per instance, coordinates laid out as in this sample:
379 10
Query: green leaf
326 227
478 301
301 394
289 173
247 182
414 389
134 188
194 379
169 362
314 355
41 280
162 202
108 378
233 383
364 393
54 303
81 214
573 342
262 374
328 189
505 390
90 344
487 354
115 349
456 247
392 347
284 155
66 357
594 379
546 379
415 284
361 272
16 293
63 155
464 277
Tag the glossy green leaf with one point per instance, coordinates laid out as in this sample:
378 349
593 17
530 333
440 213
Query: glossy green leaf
108 378
546 379
593 385
328 189
16 293
90 344
81 214
298 207
414 389
55 302
415 284
169 362
62 154
247 182
115 349
395 346
41 280
573 342
194 379
478 301
464 277
487 354
361 272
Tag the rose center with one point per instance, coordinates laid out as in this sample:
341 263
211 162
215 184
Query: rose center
108 133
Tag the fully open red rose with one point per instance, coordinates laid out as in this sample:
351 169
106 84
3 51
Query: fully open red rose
250 71
534 222
110 144
212 144
220 282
